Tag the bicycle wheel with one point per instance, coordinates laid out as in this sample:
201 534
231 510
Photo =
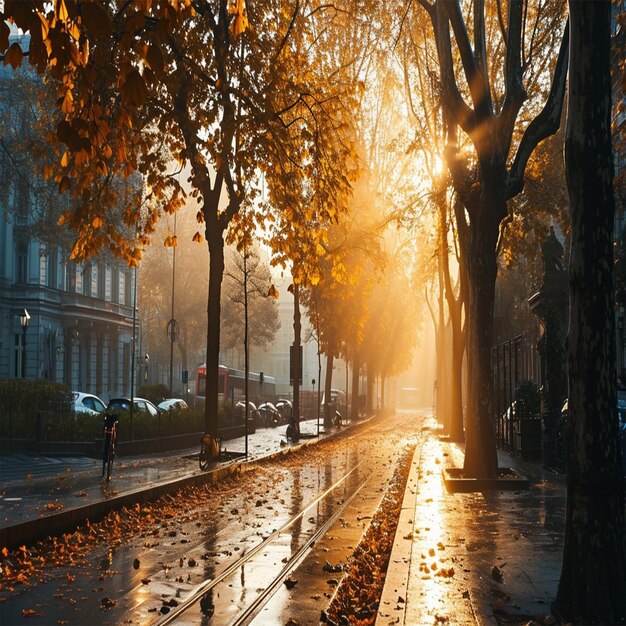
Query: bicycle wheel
204 457
110 460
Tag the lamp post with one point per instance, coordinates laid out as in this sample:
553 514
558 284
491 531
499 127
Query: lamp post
24 318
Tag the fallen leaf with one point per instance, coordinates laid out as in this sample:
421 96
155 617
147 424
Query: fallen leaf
497 574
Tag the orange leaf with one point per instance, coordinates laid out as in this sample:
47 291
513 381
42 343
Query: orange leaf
64 185
96 19
14 55
134 92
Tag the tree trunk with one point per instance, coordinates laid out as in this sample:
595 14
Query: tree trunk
593 574
356 369
456 376
369 390
455 309
328 384
215 242
297 331
481 459
443 389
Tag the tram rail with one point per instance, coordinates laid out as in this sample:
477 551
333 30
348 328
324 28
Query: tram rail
249 612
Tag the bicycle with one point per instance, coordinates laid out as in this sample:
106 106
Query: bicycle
110 439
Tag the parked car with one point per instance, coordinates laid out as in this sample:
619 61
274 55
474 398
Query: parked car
141 405
337 402
87 403
172 404
269 414
284 408
253 412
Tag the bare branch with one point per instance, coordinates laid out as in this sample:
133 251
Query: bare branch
453 99
515 92
476 79
545 124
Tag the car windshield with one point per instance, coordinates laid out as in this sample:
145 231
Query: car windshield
124 405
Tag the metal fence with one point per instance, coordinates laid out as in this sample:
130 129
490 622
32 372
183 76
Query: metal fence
512 361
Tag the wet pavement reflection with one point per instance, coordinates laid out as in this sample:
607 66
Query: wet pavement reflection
478 557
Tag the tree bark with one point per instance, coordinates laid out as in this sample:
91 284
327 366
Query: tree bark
369 389
297 340
215 242
328 384
356 369
481 459
455 310
593 574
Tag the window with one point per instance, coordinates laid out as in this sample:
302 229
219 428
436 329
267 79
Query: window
94 270
43 265
107 284
70 283
79 278
101 281
122 288
128 301
52 268
21 262
87 279
115 287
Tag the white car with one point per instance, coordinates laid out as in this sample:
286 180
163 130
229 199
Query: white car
141 405
172 404
87 403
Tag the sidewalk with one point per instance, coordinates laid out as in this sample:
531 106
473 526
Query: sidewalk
33 507
473 558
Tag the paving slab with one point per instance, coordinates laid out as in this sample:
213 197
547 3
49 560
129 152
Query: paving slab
473 558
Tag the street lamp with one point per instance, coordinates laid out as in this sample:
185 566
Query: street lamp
24 318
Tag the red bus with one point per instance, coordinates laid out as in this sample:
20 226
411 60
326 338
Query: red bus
230 385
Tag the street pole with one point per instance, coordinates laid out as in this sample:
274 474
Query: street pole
132 356
172 338
245 341
24 318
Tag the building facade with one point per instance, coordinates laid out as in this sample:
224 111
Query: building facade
80 324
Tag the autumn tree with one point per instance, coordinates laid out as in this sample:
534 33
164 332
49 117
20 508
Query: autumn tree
486 179
593 573
262 307
154 291
144 84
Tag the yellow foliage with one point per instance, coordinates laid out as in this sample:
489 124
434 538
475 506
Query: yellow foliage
97 222
240 19
197 237
62 11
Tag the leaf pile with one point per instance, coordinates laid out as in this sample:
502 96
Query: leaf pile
357 597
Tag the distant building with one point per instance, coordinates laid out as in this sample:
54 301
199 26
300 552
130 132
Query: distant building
80 326
274 359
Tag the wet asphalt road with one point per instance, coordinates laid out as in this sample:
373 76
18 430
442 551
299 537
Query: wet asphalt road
132 573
